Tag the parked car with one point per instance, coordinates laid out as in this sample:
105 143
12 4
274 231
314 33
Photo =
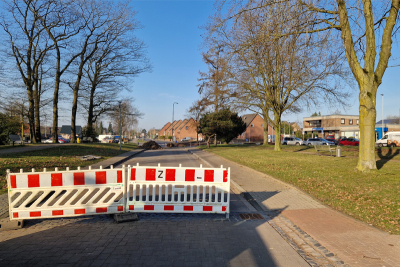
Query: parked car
332 139
390 139
64 139
349 142
292 141
186 139
318 141
50 140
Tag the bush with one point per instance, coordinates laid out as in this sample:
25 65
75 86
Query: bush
8 125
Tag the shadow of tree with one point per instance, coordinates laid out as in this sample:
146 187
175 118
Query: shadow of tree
385 158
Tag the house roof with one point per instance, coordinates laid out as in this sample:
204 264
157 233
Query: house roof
183 125
389 121
66 129
248 118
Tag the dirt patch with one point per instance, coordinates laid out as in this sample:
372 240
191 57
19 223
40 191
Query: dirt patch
151 145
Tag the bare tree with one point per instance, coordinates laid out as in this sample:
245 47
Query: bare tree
117 60
29 48
275 71
62 21
367 28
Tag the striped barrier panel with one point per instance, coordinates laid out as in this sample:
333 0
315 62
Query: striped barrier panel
45 194
178 190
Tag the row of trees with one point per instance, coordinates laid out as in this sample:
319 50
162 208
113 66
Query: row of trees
84 48
273 57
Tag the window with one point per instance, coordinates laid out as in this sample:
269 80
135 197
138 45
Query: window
252 125
245 117
350 121
187 127
357 122
342 121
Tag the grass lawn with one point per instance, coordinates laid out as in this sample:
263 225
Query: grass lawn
372 197
61 157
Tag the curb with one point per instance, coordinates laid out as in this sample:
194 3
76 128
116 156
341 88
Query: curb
311 242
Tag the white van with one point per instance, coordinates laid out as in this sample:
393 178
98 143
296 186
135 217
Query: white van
389 139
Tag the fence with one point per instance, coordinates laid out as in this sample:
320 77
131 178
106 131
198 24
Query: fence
66 193
164 189
148 189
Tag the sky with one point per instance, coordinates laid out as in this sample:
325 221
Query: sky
172 32
173 35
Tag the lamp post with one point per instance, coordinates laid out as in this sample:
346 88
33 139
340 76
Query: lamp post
173 110
382 116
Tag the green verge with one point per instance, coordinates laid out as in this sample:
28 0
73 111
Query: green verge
61 157
370 197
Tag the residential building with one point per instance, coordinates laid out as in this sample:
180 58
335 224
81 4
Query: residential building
65 131
338 125
165 127
188 129
389 125
181 129
255 129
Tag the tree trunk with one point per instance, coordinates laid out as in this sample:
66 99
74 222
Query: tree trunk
367 98
215 140
73 116
55 109
36 95
265 130
208 142
277 122
31 115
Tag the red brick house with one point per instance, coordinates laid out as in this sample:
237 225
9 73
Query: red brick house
165 127
255 128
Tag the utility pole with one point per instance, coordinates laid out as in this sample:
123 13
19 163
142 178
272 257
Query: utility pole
382 116
173 110
120 126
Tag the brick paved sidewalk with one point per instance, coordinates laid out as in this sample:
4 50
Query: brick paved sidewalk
311 224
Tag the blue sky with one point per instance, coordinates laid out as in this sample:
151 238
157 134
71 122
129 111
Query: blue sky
173 35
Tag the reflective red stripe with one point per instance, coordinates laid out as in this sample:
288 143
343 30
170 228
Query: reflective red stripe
188 208
170 175
150 174
225 176
223 208
101 210
56 179
168 207
80 211
148 207
15 215
101 177
207 208
57 212
120 208
119 176
189 175
131 207
133 174
13 180
209 176
35 213
79 178
33 180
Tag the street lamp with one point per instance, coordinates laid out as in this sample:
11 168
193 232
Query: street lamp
173 109
382 116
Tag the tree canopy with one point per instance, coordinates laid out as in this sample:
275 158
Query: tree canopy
224 123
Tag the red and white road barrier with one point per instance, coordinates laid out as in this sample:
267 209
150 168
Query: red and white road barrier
66 193
178 189
45 194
